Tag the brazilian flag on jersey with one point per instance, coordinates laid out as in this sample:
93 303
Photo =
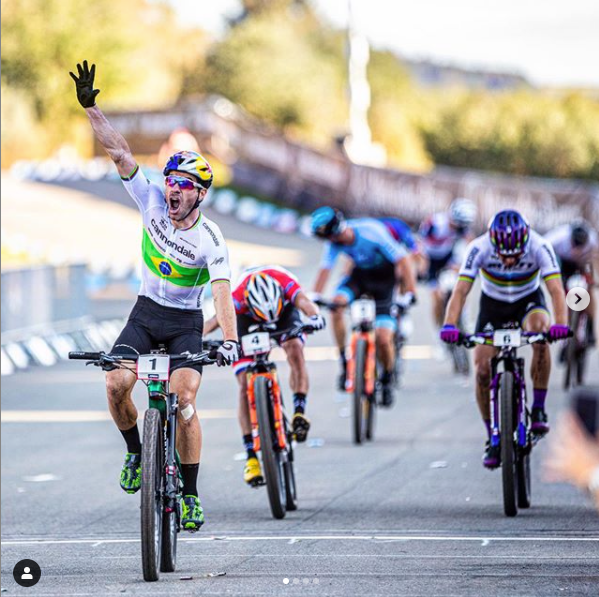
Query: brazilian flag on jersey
175 273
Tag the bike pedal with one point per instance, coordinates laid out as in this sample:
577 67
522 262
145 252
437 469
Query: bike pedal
258 482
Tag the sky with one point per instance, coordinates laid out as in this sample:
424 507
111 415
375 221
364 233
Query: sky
551 42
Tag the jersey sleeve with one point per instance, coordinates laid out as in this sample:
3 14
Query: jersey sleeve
389 247
146 194
471 263
548 265
289 283
329 255
215 252
238 300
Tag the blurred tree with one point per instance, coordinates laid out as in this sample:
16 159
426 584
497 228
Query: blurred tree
285 69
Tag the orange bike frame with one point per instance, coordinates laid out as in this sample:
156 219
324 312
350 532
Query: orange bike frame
370 373
275 393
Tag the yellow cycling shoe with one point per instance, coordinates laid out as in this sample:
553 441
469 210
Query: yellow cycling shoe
300 426
252 473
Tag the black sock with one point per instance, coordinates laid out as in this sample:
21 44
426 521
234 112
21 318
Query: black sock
132 438
299 402
190 478
386 377
248 444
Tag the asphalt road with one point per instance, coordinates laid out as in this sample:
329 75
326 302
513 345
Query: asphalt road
413 513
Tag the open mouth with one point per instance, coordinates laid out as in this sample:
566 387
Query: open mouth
174 205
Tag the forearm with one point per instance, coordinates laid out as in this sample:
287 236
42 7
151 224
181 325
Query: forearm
560 309
456 303
405 272
321 280
225 311
111 140
305 305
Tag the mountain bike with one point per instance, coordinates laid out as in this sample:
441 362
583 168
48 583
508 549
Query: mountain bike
270 425
360 379
161 482
510 416
576 348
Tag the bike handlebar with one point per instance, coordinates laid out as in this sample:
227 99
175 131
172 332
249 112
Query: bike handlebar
480 338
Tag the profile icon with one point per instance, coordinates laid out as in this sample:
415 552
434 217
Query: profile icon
27 573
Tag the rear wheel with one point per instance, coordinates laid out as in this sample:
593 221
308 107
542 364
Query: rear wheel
508 455
288 467
152 489
274 472
570 351
523 474
360 409
168 557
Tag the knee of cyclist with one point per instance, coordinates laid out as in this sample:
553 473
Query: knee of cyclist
116 389
187 410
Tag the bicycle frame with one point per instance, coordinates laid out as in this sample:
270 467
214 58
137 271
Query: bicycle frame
370 375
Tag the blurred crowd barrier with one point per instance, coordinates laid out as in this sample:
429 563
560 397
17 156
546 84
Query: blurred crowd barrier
43 295
303 178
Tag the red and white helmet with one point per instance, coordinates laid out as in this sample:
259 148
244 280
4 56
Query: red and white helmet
264 297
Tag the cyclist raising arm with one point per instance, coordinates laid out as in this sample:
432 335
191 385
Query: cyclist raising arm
512 258
182 251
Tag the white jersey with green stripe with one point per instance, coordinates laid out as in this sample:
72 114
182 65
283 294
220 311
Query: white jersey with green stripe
177 263
509 284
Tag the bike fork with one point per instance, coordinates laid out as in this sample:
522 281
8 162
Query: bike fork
172 477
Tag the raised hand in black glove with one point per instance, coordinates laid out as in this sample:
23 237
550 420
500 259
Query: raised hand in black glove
86 94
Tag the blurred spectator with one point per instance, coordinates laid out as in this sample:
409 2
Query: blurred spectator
574 456
180 140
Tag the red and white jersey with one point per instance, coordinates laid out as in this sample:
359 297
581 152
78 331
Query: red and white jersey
285 278
438 236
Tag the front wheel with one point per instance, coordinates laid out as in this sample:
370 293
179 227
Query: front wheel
152 490
274 473
361 403
523 475
168 557
508 454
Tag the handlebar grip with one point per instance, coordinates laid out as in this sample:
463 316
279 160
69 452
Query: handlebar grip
85 356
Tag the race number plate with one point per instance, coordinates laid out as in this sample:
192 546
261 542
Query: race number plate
153 367
256 343
363 311
507 338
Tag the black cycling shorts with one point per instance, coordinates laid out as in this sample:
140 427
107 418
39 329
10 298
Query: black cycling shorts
377 283
435 266
494 314
151 324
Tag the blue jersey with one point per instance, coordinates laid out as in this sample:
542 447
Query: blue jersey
401 232
373 247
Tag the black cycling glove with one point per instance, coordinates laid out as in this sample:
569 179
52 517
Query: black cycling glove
86 94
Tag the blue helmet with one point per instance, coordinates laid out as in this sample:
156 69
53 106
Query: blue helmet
510 233
327 221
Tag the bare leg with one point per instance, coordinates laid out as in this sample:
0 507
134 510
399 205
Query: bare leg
298 373
385 348
243 413
186 382
119 386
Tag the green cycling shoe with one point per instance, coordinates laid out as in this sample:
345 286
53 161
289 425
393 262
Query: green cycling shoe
192 513
131 473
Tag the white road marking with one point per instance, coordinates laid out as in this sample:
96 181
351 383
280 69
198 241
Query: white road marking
288 538
89 416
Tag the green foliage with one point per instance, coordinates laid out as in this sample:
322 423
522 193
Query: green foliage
521 133
42 40
281 69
